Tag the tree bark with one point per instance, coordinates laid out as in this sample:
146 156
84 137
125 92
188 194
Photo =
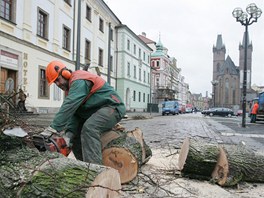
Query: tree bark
197 159
240 164
225 165
26 172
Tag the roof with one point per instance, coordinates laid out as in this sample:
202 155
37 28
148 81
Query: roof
230 66
146 40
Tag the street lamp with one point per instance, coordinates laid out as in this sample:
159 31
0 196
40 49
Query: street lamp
246 19
214 83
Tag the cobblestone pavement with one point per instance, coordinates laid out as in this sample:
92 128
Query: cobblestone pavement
165 134
213 129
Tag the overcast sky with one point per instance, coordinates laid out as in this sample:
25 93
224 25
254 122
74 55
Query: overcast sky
189 29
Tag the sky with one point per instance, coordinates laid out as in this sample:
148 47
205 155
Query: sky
189 29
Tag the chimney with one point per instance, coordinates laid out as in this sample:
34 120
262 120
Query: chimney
144 34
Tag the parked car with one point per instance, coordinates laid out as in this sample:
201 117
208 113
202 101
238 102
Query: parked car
218 111
170 107
188 110
239 112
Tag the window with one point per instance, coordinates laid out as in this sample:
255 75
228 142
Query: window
226 90
100 57
139 74
144 97
88 13
144 76
139 96
128 44
128 69
43 85
101 25
135 49
42 30
135 71
134 95
148 99
139 53
87 55
148 78
66 38
7 9
111 63
144 56
56 93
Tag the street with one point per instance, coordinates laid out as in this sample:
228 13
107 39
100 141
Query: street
165 134
162 131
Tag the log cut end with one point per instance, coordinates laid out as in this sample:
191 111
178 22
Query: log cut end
183 153
106 184
122 160
220 173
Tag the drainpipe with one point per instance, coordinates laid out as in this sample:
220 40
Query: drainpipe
109 55
73 36
77 66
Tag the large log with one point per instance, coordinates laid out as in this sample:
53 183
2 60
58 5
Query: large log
197 159
237 163
226 165
126 152
26 172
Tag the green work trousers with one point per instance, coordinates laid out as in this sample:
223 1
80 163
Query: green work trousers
86 144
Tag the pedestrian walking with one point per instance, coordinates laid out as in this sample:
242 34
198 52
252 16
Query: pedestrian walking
90 108
254 112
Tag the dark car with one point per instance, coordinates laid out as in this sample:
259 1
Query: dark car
218 111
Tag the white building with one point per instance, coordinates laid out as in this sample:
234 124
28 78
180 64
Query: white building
35 32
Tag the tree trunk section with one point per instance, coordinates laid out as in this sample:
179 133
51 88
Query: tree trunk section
226 165
197 159
240 164
126 152
26 172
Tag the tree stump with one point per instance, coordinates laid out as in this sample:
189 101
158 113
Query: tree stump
126 152
26 172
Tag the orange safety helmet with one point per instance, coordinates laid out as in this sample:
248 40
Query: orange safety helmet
53 71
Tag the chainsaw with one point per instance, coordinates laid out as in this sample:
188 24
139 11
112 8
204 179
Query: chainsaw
53 143
44 141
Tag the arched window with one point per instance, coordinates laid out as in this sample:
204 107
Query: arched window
218 67
226 90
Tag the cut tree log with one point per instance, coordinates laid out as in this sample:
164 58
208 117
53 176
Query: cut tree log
237 163
126 152
225 165
197 159
26 172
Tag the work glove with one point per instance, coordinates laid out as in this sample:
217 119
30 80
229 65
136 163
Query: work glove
68 137
49 131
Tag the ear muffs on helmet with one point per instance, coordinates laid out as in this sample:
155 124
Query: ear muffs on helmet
66 74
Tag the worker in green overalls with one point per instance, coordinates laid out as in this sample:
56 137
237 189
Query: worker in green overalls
90 108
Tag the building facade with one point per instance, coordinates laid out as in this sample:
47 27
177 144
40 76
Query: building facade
133 73
227 77
35 32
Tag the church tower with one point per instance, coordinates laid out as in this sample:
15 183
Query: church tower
242 60
219 52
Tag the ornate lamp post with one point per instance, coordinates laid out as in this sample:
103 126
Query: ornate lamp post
246 19
214 83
